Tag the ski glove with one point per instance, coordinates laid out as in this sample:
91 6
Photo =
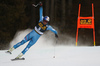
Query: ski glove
56 35
40 3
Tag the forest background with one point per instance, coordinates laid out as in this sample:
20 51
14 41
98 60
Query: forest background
18 15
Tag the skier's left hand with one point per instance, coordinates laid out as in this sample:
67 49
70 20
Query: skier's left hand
56 35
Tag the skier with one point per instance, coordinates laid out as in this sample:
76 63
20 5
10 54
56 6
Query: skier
35 34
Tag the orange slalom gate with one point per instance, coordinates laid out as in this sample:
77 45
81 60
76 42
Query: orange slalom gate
85 22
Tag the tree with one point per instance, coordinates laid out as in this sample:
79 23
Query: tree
52 11
47 8
63 13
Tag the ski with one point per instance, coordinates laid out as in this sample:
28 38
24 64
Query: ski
8 52
17 59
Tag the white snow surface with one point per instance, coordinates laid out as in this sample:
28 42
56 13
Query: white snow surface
42 54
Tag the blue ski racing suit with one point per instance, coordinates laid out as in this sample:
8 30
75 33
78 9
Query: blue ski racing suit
34 35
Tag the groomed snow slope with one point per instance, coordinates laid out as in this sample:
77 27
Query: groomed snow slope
41 54
64 56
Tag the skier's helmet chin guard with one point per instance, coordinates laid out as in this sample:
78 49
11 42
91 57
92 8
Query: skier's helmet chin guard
46 19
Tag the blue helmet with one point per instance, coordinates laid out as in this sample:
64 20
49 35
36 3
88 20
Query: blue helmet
46 18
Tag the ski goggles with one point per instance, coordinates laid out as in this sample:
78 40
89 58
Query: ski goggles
45 21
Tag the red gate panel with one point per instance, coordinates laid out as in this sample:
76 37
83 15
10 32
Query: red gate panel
85 22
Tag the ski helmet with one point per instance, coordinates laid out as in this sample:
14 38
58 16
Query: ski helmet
46 18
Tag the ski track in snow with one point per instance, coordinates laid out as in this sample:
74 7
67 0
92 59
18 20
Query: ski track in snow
64 56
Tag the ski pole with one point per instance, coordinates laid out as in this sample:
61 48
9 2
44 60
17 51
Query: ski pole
40 3
54 48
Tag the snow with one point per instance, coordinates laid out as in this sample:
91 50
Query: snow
64 56
41 54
